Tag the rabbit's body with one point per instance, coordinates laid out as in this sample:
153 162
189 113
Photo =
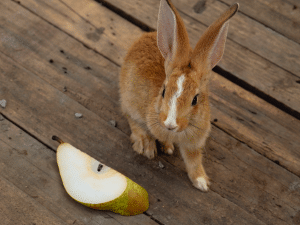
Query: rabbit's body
149 59
164 93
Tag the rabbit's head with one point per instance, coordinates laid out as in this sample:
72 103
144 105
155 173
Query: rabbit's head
183 98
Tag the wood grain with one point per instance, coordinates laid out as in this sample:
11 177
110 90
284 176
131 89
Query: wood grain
244 182
265 128
99 35
279 15
63 62
16 207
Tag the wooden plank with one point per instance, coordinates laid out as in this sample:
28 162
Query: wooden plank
239 113
261 126
42 113
88 77
104 33
238 60
5 220
246 202
19 208
32 167
279 15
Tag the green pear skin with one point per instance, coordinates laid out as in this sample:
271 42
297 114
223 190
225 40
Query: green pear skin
133 201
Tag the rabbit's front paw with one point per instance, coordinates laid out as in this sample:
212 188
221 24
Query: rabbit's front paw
144 145
201 183
168 148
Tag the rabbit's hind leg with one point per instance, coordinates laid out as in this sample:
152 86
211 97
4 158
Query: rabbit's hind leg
143 142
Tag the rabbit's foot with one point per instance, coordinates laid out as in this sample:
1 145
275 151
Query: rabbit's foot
168 148
144 145
195 169
201 183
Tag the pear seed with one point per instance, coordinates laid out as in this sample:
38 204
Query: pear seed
99 167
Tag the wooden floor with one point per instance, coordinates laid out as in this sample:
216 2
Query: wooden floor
61 57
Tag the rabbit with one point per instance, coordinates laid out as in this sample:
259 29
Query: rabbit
164 89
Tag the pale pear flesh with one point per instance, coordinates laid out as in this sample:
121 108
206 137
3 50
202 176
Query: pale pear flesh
81 179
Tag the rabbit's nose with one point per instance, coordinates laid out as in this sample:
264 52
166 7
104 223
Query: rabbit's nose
171 127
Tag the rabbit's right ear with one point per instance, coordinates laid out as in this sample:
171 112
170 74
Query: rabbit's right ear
172 37
209 49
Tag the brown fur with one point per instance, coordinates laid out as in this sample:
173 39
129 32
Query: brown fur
144 75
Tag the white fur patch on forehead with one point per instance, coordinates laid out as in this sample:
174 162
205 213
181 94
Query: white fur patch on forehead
171 119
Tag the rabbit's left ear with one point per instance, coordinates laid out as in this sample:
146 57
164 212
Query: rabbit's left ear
172 37
210 47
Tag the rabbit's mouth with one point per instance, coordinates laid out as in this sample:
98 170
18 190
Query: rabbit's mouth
169 130
172 129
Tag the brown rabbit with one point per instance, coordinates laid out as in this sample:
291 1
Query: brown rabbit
163 88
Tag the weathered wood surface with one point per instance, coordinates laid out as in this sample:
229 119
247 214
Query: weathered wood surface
279 15
247 187
25 208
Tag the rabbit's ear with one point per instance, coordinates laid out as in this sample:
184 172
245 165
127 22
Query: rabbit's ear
210 47
172 37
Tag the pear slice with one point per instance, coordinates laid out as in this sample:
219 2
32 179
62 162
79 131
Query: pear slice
96 185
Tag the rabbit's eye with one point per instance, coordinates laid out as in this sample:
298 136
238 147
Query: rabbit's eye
163 94
194 102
